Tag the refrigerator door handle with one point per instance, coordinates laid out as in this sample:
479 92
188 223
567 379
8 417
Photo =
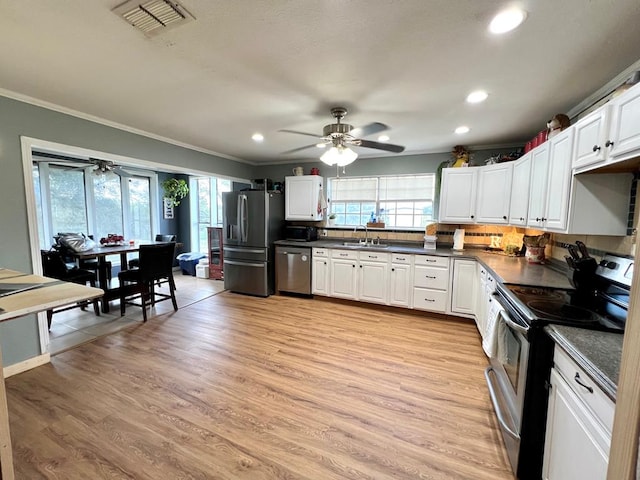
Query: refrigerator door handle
245 264
244 249
244 223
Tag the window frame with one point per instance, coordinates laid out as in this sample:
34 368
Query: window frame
378 201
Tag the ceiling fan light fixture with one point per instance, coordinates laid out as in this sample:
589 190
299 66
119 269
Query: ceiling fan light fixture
340 155
477 96
383 138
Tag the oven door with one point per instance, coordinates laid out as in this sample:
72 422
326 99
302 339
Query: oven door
506 378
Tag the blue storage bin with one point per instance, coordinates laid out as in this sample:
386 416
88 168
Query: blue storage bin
188 262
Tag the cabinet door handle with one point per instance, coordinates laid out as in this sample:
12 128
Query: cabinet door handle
472 216
504 217
355 266
360 266
596 148
429 276
609 143
429 300
393 269
582 384
521 219
427 260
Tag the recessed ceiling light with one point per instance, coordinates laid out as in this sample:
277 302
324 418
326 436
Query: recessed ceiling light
257 137
383 138
507 20
321 145
477 96
462 129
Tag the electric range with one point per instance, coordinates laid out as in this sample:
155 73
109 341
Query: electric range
519 372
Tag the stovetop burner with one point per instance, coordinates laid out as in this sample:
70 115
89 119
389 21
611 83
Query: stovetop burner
563 312
539 292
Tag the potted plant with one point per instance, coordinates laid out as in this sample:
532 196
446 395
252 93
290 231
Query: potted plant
332 219
174 191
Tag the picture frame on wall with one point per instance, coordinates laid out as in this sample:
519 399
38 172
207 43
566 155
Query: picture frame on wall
167 210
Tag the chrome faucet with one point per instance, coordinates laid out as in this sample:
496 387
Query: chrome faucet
366 234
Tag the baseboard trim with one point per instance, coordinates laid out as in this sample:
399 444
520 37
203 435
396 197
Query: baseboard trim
26 365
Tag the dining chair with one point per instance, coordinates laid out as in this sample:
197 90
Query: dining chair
156 263
160 237
84 263
54 266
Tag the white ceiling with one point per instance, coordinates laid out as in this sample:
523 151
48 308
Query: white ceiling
248 65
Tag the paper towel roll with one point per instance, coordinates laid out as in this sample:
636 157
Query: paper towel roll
458 239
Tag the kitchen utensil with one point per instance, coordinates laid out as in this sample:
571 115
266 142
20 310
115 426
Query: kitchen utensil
583 249
570 262
573 251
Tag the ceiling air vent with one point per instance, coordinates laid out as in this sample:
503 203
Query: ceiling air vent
154 16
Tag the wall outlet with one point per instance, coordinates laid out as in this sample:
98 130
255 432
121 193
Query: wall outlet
323 233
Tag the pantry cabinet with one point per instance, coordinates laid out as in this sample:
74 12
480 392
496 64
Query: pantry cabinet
304 198
458 195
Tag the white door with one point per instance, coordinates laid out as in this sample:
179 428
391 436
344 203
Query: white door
559 183
301 197
463 298
519 203
574 440
538 185
343 278
400 285
373 282
320 276
458 195
494 193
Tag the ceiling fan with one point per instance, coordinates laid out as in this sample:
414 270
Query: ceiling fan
342 135
101 166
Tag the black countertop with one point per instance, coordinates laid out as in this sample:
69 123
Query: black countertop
598 353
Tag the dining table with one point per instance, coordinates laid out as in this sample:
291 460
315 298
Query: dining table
100 253
23 294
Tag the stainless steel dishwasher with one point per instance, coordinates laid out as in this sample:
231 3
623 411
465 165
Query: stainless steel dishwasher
293 269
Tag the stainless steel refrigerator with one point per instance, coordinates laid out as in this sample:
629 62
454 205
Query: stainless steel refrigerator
253 220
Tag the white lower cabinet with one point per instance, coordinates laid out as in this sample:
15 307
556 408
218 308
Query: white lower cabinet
320 272
401 280
430 283
373 277
579 424
463 287
480 306
344 274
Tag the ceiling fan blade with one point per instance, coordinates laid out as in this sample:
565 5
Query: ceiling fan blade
370 129
390 147
301 133
300 149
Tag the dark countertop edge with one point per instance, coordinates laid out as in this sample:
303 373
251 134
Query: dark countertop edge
607 385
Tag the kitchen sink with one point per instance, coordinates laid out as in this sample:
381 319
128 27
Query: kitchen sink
359 246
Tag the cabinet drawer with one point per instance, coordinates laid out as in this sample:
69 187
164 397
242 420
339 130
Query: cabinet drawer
432 261
427 299
436 278
401 258
601 405
374 256
345 254
320 252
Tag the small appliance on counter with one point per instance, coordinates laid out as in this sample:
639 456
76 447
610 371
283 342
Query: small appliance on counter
458 239
300 233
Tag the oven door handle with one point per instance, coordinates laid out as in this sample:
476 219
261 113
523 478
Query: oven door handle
496 404
516 326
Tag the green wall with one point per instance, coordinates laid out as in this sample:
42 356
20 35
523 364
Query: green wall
19 338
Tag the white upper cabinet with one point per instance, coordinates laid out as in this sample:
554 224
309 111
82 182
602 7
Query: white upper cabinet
624 136
559 180
494 193
538 185
590 137
303 198
458 195
519 203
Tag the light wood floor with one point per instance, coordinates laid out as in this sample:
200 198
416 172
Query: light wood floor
236 387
